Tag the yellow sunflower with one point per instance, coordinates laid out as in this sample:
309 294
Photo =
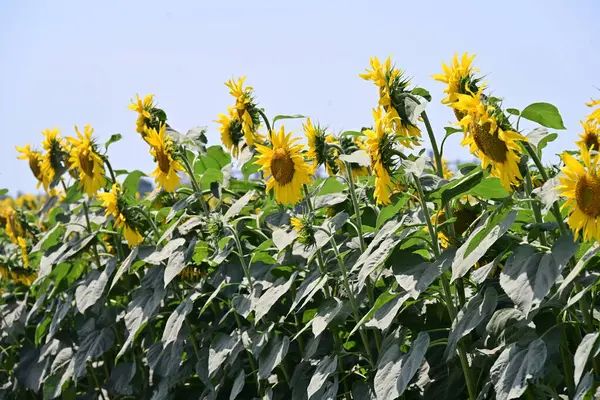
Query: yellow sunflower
318 149
494 146
245 108
296 224
231 131
115 206
591 132
23 245
350 144
27 201
284 165
13 227
85 159
144 109
163 149
580 184
595 115
51 160
35 161
391 85
458 77
380 149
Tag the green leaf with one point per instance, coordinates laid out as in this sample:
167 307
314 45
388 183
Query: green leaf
450 130
490 188
351 133
390 211
547 139
113 138
219 155
278 117
203 163
200 252
211 175
582 354
250 167
131 183
332 185
3 192
513 111
73 195
462 185
544 114
41 329
418 91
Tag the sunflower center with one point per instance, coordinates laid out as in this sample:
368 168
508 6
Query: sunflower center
86 162
164 163
489 143
591 140
34 165
282 166
587 194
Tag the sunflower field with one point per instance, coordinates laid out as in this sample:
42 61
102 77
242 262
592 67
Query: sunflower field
313 265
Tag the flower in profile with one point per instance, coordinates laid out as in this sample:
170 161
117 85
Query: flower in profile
85 159
465 216
580 184
35 161
53 158
590 137
246 108
23 246
13 225
305 229
145 109
27 201
163 150
459 78
18 275
393 98
115 205
232 134
318 147
380 145
595 115
487 140
285 167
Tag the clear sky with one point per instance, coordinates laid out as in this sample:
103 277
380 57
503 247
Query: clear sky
77 62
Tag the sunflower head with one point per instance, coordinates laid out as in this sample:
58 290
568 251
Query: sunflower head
15 225
304 226
149 116
285 167
116 206
459 78
86 160
245 108
232 134
591 134
35 161
52 160
318 147
490 138
580 184
595 115
162 149
380 145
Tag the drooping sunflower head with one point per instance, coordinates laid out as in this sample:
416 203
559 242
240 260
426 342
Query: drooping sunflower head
14 224
116 206
488 140
580 185
232 134
304 226
380 145
35 161
459 77
84 157
591 134
149 116
52 160
285 167
163 149
27 201
318 147
245 107
24 254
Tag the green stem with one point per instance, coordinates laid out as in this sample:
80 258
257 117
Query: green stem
110 170
266 120
97 383
89 229
447 292
195 184
150 221
242 259
537 213
250 357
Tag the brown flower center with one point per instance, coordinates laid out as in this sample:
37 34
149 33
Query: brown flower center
282 166
87 162
587 194
591 140
489 143
164 163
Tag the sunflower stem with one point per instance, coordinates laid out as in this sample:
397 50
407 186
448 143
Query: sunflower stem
150 221
89 229
447 291
238 244
266 120
195 184
110 170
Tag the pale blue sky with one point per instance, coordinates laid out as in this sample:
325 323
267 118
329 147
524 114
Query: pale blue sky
77 62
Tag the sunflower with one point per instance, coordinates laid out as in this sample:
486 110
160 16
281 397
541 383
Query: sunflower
13 225
392 89
18 275
284 165
591 132
23 245
595 115
494 146
318 148
163 149
144 108
27 201
465 217
35 161
380 145
231 131
85 159
246 109
459 78
580 184
52 159
115 206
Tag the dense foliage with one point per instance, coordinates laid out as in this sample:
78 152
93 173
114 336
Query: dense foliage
247 275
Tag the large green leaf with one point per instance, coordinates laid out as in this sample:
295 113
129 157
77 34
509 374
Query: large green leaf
544 114
131 183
